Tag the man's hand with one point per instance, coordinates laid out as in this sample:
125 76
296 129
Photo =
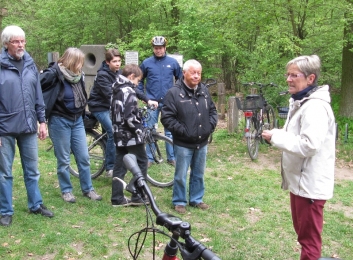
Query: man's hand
153 104
42 131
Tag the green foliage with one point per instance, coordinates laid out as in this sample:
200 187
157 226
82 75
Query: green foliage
236 41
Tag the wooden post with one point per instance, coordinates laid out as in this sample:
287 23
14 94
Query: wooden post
232 123
221 100
233 113
53 57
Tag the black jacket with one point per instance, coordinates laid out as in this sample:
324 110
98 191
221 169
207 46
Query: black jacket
126 118
190 116
101 92
51 77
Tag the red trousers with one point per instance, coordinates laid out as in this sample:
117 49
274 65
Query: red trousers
308 217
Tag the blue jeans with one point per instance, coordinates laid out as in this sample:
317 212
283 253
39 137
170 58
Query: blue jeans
68 135
196 160
28 148
104 119
154 114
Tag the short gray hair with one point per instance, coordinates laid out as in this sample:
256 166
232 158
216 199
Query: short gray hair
308 65
9 32
193 63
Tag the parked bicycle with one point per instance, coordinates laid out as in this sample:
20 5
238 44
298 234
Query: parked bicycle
161 174
190 249
259 115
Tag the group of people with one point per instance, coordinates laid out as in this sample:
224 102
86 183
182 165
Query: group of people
187 113
114 102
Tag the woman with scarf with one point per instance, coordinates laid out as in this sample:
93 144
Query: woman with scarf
308 144
65 121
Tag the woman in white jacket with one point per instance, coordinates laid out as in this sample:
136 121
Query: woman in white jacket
308 144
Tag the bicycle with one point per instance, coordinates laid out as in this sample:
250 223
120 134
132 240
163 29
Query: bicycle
161 174
191 249
259 115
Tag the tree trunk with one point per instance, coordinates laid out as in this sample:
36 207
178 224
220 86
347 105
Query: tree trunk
346 102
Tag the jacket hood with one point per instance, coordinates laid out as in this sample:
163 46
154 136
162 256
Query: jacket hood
122 81
104 66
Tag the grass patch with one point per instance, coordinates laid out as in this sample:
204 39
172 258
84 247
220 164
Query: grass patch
249 216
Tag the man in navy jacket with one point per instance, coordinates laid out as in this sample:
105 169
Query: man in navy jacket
159 71
21 107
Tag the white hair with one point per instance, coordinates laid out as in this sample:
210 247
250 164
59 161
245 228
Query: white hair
191 63
308 65
9 32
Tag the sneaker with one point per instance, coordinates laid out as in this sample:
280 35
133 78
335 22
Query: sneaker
68 197
92 195
200 205
149 164
180 209
140 202
126 202
172 163
109 174
43 211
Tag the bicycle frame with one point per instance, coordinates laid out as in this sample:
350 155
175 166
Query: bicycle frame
191 249
259 115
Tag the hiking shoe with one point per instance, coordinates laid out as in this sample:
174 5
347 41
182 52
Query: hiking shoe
200 205
172 163
126 202
68 197
5 220
109 174
92 195
43 211
180 209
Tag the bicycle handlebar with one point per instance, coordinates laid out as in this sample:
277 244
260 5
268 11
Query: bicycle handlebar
193 249
209 82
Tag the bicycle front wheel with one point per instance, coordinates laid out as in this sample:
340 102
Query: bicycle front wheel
96 151
252 137
161 173
269 118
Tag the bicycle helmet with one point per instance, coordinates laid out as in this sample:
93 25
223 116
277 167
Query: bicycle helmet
159 41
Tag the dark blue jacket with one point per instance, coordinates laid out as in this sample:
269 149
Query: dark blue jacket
101 92
21 99
159 74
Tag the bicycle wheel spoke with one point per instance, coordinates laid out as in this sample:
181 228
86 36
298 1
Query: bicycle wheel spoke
161 173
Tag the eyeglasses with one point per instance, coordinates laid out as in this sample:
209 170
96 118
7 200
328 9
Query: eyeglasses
293 76
17 42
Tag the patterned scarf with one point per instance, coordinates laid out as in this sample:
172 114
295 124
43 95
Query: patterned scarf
74 80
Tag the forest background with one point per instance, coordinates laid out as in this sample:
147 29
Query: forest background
236 41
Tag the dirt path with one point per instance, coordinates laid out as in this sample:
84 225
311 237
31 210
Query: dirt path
271 160
343 170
